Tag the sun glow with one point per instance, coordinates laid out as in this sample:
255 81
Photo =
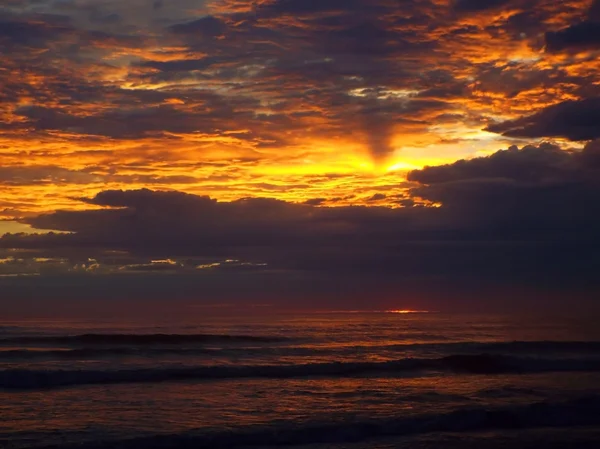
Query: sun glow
406 312
402 166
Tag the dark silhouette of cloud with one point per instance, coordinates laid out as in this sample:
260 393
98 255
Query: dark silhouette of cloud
527 215
529 165
530 194
574 120
594 13
478 5
584 35
206 27
581 36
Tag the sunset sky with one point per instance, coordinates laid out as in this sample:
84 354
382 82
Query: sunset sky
286 142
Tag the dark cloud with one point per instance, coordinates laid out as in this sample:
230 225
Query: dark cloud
303 56
147 198
31 34
181 65
528 215
532 164
478 5
206 27
584 35
319 67
313 6
107 19
56 33
378 197
144 121
315 201
594 13
530 194
574 120
581 36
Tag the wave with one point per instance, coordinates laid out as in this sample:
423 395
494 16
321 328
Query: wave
23 379
88 353
139 339
5 329
507 392
541 346
96 346
514 347
584 411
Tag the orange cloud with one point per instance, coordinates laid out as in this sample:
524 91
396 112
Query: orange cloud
325 102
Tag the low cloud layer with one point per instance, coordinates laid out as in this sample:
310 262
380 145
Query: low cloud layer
527 216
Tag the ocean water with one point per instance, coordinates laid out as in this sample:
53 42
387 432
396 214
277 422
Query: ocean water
312 380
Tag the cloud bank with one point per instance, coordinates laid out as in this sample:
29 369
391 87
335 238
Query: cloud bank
526 216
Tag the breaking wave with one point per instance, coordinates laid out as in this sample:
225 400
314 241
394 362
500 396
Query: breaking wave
139 339
87 353
511 347
584 411
541 346
23 379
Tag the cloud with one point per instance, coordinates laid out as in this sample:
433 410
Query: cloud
292 100
533 194
29 34
30 175
527 216
584 35
581 36
594 13
531 164
478 5
574 120
206 27
317 53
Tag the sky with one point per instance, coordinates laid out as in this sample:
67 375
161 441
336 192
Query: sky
397 149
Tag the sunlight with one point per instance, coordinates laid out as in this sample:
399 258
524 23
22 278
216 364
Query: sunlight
406 312
402 166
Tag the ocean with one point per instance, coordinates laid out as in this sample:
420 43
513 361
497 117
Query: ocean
304 380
